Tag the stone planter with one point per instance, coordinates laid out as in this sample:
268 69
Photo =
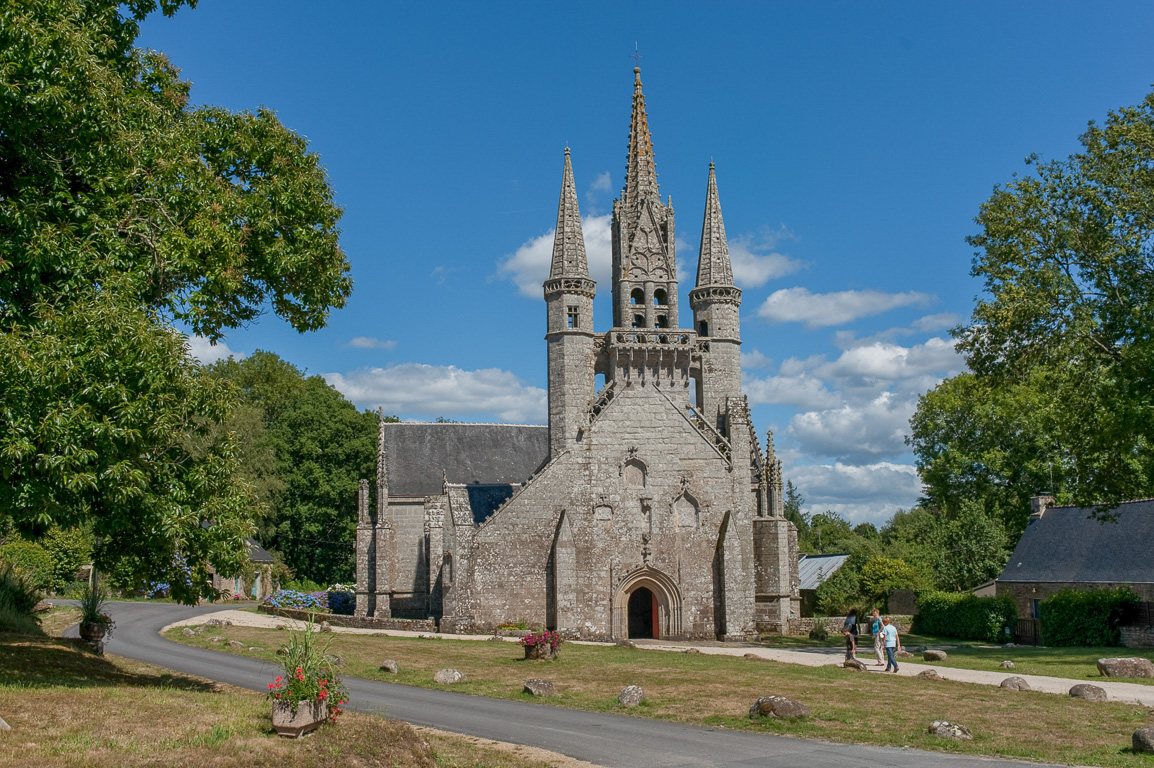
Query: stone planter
308 717
540 652
93 633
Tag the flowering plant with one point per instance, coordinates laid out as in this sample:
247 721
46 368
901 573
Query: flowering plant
290 598
549 639
308 672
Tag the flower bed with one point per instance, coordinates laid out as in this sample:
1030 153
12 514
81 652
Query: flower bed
291 598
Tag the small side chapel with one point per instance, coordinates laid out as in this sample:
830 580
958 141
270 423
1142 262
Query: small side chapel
645 509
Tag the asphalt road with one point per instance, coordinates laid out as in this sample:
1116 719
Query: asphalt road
614 741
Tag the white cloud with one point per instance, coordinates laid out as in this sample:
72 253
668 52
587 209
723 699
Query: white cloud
754 359
528 266
753 267
936 322
873 364
603 182
801 391
860 493
368 342
856 434
416 390
824 309
207 353
929 323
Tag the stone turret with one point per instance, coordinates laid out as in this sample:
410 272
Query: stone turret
644 260
383 533
569 315
715 303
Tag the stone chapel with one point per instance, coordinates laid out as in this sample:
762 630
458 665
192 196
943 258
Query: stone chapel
645 509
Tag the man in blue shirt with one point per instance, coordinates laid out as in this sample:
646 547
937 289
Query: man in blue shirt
893 643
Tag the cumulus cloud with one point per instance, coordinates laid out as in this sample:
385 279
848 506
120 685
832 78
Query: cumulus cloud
528 266
207 352
856 434
879 363
936 322
416 390
825 309
755 263
799 391
860 493
754 359
603 183
927 324
368 342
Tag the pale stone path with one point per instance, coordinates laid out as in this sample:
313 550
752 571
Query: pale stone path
814 657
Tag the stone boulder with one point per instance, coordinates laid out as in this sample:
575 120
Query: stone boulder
691 650
255 648
903 654
390 666
625 644
42 606
1143 740
335 659
1088 692
538 687
218 623
187 632
216 639
237 644
1010 645
929 674
777 706
1015 684
326 627
448 677
944 729
1126 667
854 664
931 655
755 657
631 696
1007 664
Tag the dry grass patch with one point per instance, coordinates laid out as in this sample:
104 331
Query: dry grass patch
711 690
69 708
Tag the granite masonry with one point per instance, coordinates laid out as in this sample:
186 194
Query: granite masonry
645 509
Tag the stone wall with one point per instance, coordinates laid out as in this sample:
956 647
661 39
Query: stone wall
833 625
353 622
1137 637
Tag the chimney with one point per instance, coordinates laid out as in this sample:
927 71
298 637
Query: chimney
1038 505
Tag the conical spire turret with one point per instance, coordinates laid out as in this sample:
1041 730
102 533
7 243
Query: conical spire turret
569 258
713 266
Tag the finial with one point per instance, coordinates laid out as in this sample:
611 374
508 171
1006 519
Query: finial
711 165
637 71
566 151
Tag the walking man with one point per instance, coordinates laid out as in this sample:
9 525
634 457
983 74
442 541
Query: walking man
893 643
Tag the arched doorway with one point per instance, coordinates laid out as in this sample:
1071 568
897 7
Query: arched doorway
647 589
642 613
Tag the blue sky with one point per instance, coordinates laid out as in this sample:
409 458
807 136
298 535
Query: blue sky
854 143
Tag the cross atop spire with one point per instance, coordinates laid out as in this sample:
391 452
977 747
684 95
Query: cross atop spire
640 170
713 266
568 244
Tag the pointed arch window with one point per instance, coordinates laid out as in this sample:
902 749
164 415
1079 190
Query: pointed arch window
634 473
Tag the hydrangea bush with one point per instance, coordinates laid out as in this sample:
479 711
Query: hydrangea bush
342 599
290 598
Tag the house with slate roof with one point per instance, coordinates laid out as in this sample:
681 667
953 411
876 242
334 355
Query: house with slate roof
645 508
1065 547
255 582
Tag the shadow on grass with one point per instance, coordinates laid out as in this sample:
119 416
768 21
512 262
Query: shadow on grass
33 661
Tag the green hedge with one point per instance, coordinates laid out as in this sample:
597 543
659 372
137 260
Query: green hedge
1086 617
962 615
31 559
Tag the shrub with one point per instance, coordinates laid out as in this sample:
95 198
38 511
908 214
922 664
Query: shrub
1086 617
31 559
68 549
18 596
819 632
308 672
963 615
342 599
291 598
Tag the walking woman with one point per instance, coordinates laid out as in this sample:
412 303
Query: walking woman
879 638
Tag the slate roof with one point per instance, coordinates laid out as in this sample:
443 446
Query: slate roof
472 454
1064 544
257 553
812 570
484 499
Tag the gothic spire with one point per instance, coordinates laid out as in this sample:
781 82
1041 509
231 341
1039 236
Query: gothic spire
640 170
568 244
382 468
713 266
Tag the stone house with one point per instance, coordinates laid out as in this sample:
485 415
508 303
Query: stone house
1063 547
256 582
644 509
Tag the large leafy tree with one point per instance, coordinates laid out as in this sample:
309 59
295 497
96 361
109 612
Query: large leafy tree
1062 344
123 208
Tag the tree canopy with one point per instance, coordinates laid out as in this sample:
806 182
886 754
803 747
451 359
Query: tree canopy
123 210
1061 345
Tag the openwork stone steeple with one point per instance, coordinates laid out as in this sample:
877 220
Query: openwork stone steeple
640 170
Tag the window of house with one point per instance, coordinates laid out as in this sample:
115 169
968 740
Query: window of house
703 328
572 312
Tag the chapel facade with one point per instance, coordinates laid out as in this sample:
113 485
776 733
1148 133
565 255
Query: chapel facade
645 509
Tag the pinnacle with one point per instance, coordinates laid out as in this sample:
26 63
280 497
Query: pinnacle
568 244
713 265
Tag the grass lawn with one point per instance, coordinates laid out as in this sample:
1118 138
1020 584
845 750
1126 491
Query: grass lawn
717 691
68 707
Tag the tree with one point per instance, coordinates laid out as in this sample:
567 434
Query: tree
1067 325
972 549
879 575
792 508
123 209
